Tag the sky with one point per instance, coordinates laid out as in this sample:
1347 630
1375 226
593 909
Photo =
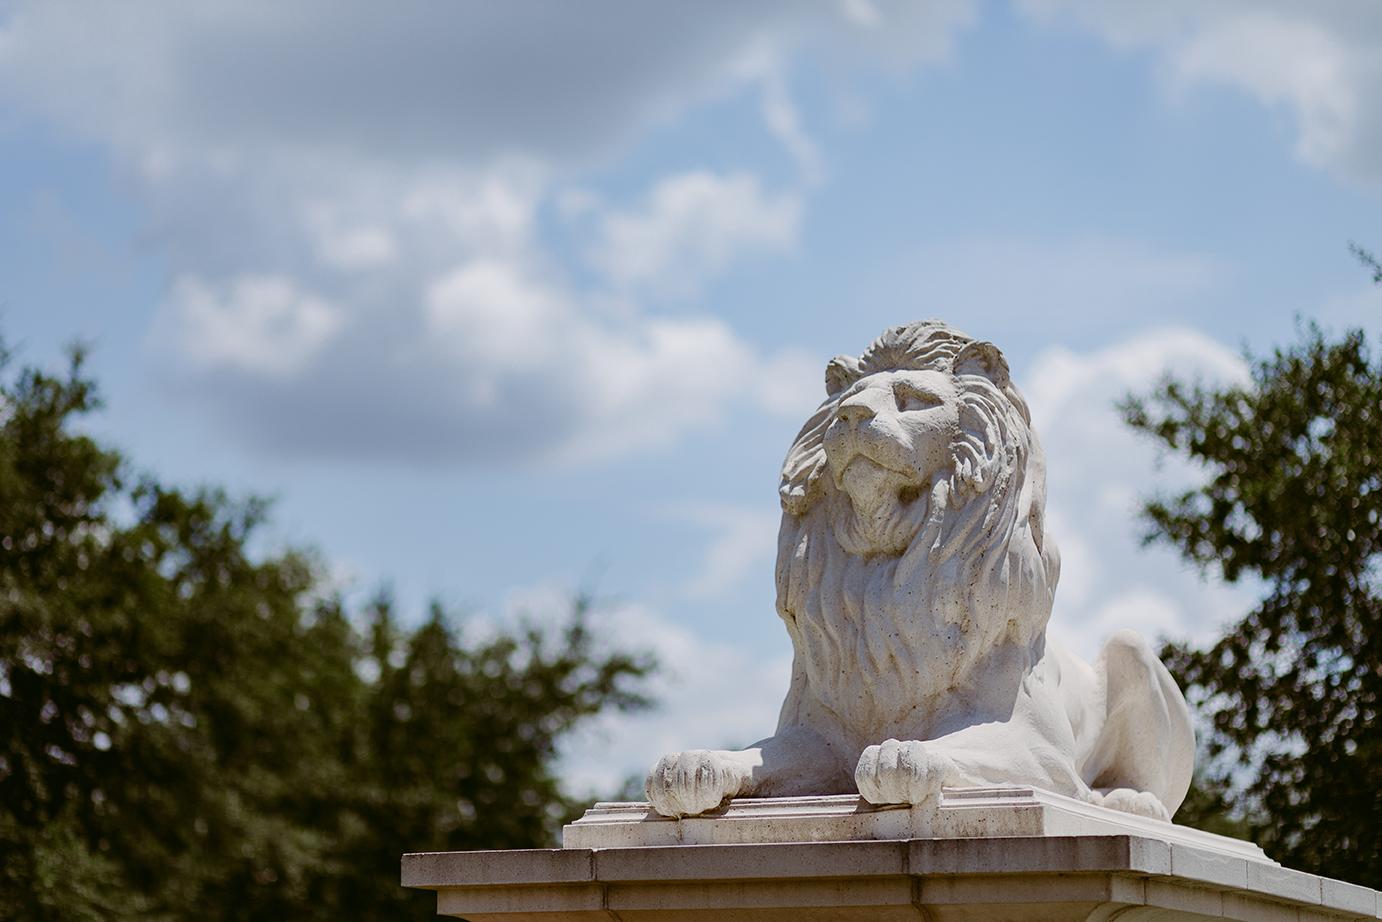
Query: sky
504 302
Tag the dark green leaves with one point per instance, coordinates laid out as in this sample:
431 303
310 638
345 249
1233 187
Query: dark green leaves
189 730
1292 496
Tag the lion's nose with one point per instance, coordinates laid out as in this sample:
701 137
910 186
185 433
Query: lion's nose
855 412
862 407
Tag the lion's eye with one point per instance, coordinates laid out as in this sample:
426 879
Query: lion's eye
909 398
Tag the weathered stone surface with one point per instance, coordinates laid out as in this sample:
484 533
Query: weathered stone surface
915 576
958 813
1045 877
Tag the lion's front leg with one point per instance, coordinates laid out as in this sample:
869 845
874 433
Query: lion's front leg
795 761
691 782
904 772
1026 752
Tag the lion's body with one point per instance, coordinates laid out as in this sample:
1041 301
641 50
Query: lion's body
916 580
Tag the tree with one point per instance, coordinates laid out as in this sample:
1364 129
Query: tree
190 730
1291 496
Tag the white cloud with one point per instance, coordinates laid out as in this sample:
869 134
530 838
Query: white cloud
491 211
378 231
707 693
494 315
1061 378
1145 610
358 247
1099 470
447 331
789 383
646 381
1322 62
468 82
480 361
258 324
743 540
861 13
1282 61
783 119
691 227
350 246
710 694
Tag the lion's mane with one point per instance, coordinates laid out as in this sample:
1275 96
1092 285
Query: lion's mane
969 574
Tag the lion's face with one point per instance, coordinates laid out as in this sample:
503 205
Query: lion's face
891 437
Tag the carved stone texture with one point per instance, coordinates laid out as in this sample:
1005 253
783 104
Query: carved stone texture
915 578
959 813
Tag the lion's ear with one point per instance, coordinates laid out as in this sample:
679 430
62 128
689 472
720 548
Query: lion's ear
983 358
840 373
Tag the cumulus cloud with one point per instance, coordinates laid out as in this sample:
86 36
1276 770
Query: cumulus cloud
464 345
1099 470
358 203
743 539
494 315
710 693
412 81
499 367
263 325
783 119
422 316
350 246
691 227
1321 62
650 381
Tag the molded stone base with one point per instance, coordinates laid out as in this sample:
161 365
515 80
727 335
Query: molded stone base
961 813
1132 878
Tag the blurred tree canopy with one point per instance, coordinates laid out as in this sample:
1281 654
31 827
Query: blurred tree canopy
192 730
1292 496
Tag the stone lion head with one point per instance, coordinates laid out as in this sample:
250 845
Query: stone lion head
912 539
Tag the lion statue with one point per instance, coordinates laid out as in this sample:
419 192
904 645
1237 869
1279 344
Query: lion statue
915 577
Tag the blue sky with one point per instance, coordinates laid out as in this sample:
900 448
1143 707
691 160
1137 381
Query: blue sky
503 301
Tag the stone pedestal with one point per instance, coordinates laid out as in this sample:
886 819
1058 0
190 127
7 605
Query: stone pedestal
959 813
985 853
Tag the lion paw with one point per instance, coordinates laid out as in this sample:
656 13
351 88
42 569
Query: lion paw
904 772
1142 803
691 782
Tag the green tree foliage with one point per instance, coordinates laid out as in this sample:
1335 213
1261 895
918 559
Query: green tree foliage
191 730
1370 262
1291 496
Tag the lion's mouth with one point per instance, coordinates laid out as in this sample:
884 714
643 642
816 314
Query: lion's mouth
883 506
871 485
860 466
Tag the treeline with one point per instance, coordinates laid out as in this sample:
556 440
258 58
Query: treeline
191 730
